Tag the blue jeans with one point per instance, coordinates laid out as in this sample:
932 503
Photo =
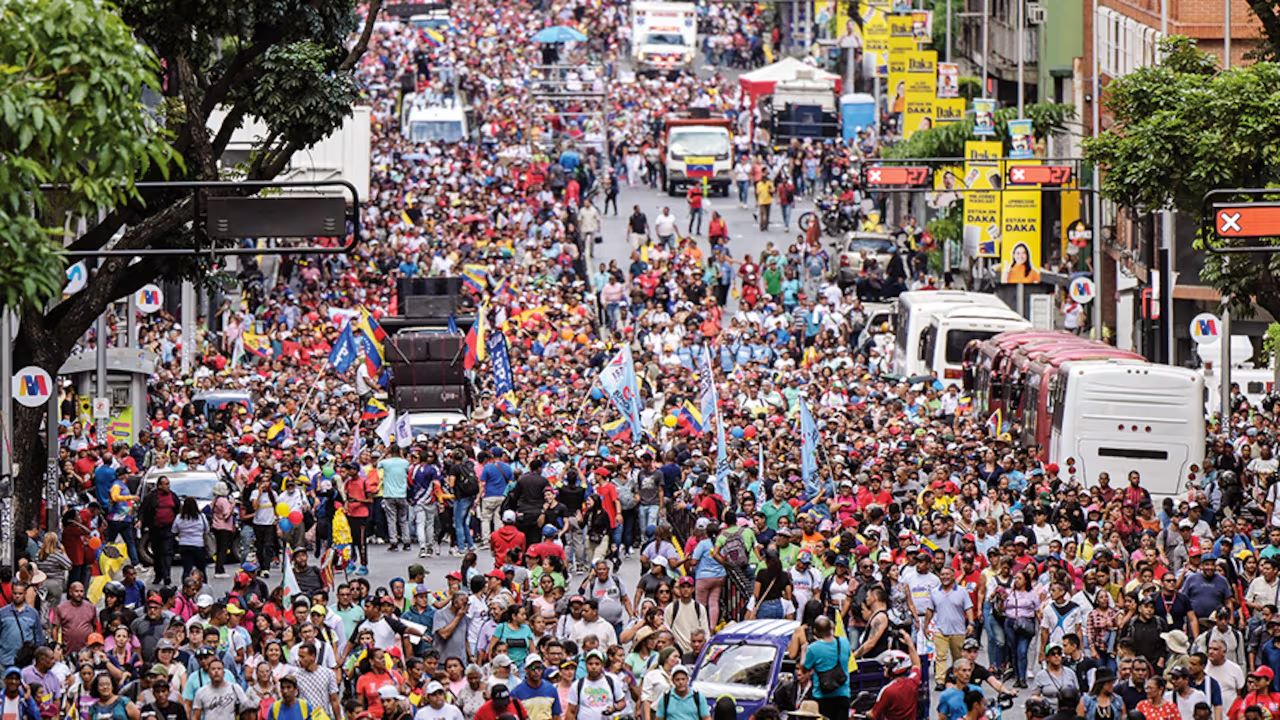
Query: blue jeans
769 610
462 523
786 216
124 529
1019 645
742 192
996 650
648 517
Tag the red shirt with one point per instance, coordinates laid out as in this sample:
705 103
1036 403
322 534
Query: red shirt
504 540
546 548
897 700
609 499
513 708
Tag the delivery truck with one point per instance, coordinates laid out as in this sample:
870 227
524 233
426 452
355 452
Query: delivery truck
697 149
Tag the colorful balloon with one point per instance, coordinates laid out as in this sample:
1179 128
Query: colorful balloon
282 509
670 421
285 525
749 431
596 393
295 517
95 543
737 432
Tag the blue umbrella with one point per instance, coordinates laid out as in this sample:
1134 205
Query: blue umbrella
559 34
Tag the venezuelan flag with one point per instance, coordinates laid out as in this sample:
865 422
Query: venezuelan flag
433 37
618 429
475 340
259 345
964 405
278 429
504 291
374 409
476 277
690 417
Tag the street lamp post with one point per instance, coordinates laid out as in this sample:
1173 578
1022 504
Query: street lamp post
1022 51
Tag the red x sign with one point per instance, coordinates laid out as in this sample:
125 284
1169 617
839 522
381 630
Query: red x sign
896 175
1249 220
1039 174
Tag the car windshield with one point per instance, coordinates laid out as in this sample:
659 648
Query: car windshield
449 131
746 670
199 487
700 143
871 244
663 39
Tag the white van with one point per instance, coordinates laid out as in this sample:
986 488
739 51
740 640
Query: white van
421 122
915 313
952 329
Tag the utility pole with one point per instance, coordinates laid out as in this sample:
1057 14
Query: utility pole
1167 222
1022 52
100 386
948 48
1224 344
188 325
1226 34
986 44
1095 199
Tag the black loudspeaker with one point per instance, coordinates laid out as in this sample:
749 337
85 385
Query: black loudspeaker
429 306
417 347
431 397
427 372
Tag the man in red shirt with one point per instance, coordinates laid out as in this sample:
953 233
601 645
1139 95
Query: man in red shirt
694 196
506 538
898 699
548 546
501 703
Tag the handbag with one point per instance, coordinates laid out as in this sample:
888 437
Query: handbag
1024 626
832 679
753 606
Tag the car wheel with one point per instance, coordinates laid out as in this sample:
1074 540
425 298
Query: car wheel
144 550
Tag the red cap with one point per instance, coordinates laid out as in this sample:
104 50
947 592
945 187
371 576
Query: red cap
455 575
1264 672
1051 468
155 599
242 578
496 573
862 551
602 472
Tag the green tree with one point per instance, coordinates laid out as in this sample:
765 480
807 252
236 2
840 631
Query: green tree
73 78
947 140
1182 128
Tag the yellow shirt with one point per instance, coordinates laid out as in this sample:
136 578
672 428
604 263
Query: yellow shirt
764 192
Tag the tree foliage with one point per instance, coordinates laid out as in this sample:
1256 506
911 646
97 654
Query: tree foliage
1182 128
71 114
73 78
947 141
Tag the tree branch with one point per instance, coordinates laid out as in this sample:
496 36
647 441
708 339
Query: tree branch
357 50
196 128
230 124
237 71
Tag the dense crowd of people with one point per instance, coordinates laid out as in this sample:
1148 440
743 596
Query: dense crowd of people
919 544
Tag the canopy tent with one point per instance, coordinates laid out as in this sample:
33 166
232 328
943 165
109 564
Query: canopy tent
762 81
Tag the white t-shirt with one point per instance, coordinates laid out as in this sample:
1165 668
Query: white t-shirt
1230 678
1187 704
596 697
448 712
665 225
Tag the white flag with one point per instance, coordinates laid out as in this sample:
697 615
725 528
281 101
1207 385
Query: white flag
404 433
386 428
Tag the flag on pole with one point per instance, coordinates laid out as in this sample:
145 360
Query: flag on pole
386 429
475 277
504 386
475 340
374 409
357 445
289 580
404 433
344 350
453 325
995 423
371 338
808 449
722 460
709 397
691 417
618 380
237 351
276 430
618 429
259 345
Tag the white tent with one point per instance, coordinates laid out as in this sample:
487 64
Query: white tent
762 81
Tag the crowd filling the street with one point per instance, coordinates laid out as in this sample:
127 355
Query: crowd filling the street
689 484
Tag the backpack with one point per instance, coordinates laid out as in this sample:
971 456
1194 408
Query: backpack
666 700
734 550
467 487
613 691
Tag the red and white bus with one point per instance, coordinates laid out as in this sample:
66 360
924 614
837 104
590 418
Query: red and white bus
1092 408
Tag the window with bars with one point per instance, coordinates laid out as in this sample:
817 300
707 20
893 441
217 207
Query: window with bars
1124 43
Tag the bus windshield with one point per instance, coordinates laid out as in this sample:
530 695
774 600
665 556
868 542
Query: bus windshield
700 142
449 131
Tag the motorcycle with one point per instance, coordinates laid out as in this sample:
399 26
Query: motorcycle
835 220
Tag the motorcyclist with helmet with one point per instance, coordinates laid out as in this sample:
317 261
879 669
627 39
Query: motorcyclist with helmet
898 699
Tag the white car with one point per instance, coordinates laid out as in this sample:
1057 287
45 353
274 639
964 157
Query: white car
855 249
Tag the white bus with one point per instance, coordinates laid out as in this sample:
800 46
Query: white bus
1115 416
951 330
915 313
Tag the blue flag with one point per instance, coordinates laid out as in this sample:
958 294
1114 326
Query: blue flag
618 380
344 351
808 450
504 386
453 325
722 460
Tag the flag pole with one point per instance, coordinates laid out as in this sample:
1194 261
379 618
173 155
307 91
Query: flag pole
311 394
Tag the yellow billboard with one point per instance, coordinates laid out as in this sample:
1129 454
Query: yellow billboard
875 34
1020 222
948 110
918 113
982 209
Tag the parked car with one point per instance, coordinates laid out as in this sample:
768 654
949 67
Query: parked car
747 662
209 402
855 248
197 484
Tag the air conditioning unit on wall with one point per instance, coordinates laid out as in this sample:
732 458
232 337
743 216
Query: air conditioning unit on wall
1035 13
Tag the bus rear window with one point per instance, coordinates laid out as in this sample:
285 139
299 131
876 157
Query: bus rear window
958 340
1133 453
